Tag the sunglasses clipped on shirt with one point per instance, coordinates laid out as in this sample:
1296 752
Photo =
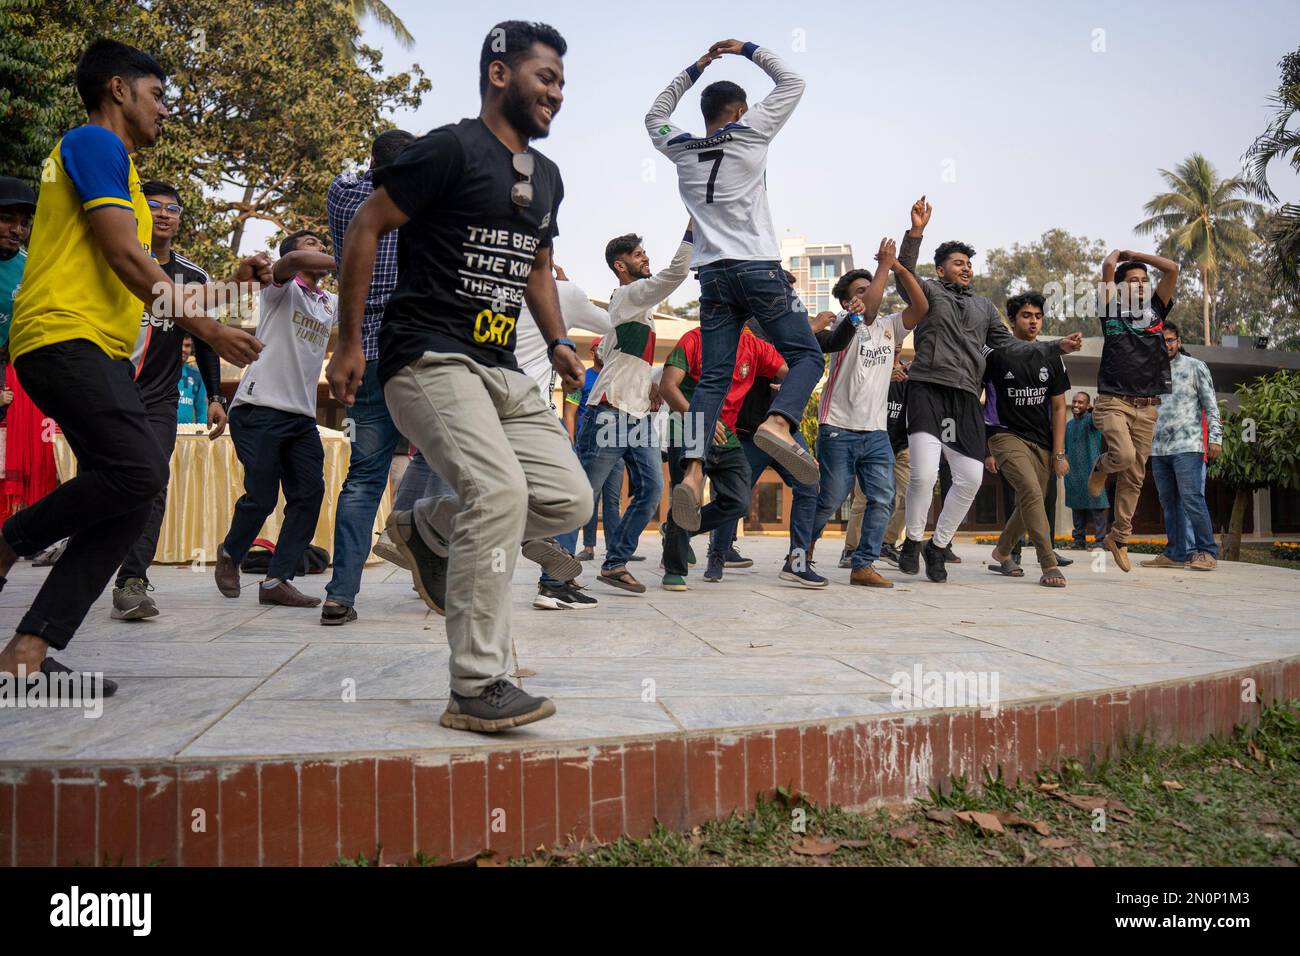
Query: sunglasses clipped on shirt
171 207
521 193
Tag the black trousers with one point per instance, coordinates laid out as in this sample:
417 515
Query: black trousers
277 449
162 421
728 473
120 471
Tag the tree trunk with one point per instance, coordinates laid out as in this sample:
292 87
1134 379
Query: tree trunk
1205 306
237 236
1231 550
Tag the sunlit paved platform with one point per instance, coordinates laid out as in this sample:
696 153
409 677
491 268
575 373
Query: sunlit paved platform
213 689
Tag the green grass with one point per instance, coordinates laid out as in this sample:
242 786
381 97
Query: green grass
1262 554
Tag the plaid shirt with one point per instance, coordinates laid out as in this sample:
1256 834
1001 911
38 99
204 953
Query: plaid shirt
344 198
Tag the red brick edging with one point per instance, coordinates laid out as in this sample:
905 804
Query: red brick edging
309 812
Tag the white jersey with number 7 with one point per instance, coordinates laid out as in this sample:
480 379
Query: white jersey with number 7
722 178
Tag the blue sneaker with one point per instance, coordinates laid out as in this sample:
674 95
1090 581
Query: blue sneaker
737 560
716 563
806 578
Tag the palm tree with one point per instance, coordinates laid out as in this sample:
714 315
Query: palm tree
1280 141
383 14
1202 221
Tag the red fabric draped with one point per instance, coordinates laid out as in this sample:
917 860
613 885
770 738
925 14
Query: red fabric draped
29 454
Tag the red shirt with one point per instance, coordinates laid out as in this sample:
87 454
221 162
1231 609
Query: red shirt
754 359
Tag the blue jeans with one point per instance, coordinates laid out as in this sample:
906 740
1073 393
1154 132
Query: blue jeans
803 508
867 456
1180 482
731 291
419 481
608 437
374 437
606 504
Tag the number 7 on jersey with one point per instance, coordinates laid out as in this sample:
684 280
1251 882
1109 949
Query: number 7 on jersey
714 156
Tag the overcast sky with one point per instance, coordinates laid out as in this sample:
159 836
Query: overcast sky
1013 117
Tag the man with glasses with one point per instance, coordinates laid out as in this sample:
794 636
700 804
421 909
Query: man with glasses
158 359
477 210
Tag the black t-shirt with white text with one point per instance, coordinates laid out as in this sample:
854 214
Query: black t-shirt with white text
1018 393
896 424
157 354
1134 360
464 257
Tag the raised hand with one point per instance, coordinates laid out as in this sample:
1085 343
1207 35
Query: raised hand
705 60
255 268
1071 343
887 256
727 46
921 211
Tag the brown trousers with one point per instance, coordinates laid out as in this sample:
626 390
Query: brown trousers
1027 468
1127 433
893 530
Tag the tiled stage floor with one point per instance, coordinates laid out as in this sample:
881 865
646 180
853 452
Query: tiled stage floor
218 679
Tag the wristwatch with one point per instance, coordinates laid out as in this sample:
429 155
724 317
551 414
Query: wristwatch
1061 456
220 400
550 349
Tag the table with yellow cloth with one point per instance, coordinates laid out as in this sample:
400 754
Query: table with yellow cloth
206 481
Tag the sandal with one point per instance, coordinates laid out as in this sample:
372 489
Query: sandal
686 507
1009 568
1052 578
621 579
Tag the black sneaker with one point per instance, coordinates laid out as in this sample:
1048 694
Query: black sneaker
1062 561
934 561
501 706
846 558
428 569
889 554
713 574
909 558
950 555
735 559
567 597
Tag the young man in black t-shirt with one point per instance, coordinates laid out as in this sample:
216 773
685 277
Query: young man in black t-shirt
477 209
1134 373
157 360
1024 419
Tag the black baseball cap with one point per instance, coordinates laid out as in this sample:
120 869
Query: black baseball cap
15 192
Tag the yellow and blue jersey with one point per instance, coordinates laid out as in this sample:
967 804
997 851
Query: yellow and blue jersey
68 290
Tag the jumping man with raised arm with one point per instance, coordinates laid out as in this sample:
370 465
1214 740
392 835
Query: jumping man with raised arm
721 178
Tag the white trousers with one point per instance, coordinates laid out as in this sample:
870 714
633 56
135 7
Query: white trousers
924 449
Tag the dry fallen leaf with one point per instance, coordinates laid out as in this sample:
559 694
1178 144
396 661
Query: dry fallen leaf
909 834
1182 826
1015 820
1057 843
807 846
941 816
987 822
1171 785
1255 751
1082 859
1118 806
1083 803
1048 787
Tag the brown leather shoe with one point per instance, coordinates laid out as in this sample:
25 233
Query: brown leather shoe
1118 551
869 577
1163 560
227 574
1202 561
286 595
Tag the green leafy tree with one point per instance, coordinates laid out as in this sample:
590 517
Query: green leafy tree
690 311
34 72
268 102
1280 141
1205 221
1261 446
1059 264
1249 302
382 14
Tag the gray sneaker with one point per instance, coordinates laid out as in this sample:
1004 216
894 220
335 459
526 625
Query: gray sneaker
131 602
501 706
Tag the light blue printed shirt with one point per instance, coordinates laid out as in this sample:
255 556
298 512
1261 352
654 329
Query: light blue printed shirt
1178 425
